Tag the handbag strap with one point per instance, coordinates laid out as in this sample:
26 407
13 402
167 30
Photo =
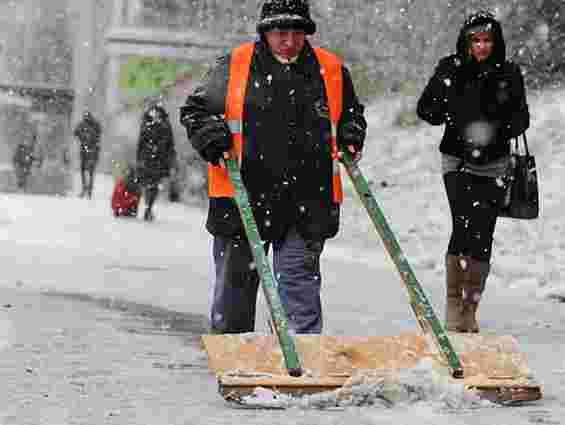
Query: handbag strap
525 139
526 143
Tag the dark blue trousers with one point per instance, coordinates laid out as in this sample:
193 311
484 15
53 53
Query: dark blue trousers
296 265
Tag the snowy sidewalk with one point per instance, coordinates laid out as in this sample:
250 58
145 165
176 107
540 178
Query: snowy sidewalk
73 361
90 357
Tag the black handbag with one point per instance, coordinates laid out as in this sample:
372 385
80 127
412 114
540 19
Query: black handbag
522 193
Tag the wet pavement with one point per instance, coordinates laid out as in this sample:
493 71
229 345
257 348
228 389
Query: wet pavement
74 359
78 359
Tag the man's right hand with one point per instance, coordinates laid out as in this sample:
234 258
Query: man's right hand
213 139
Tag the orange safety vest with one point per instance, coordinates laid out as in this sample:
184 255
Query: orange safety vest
219 184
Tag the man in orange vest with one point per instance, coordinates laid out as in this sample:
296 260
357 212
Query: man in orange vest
288 110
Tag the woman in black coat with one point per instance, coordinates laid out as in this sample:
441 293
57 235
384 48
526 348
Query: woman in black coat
480 98
155 154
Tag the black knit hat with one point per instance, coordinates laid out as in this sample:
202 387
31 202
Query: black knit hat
481 21
286 14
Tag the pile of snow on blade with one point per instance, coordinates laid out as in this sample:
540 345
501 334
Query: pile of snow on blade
420 384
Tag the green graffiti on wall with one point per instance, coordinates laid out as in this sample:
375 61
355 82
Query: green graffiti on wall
149 76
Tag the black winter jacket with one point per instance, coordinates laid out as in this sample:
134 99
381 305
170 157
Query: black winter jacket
23 156
88 131
481 103
156 147
287 165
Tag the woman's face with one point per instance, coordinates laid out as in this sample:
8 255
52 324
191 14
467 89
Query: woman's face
481 45
154 115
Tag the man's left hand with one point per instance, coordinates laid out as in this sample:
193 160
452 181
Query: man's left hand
352 137
355 154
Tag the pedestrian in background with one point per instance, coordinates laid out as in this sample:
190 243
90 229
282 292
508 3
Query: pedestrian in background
156 154
126 194
25 155
88 132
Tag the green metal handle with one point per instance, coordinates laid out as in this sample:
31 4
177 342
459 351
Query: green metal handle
276 309
422 308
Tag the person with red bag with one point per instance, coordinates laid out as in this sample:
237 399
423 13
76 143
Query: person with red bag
126 195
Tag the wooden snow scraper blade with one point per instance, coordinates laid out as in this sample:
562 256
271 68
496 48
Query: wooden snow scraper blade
304 364
493 366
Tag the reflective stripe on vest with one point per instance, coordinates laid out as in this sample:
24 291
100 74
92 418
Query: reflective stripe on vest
219 184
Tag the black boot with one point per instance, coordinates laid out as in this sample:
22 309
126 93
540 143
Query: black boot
148 215
90 183
83 182
150 196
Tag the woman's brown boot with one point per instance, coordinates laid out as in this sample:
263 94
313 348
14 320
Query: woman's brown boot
454 293
475 274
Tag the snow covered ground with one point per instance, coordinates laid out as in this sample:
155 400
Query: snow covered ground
75 246
526 254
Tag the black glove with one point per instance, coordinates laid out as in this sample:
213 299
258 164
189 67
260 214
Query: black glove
353 134
212 140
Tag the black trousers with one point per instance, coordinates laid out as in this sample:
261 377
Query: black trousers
88 163
475 203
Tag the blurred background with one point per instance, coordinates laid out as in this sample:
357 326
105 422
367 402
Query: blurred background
59 58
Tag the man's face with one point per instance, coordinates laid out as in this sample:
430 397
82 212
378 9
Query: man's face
286 43
481 45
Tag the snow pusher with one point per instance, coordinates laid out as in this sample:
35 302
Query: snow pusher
490 365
